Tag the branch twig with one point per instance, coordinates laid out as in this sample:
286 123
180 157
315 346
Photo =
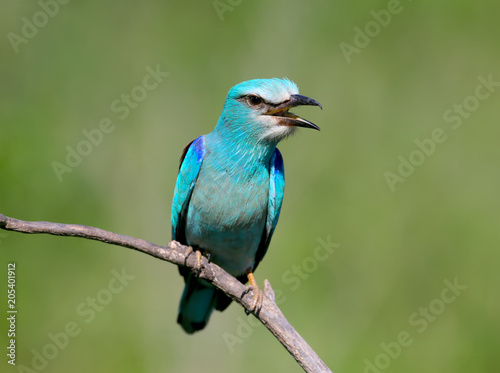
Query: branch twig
270 315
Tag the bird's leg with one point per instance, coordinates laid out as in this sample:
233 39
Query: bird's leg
197 266
258 295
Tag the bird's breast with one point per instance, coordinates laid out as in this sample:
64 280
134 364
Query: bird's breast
227 214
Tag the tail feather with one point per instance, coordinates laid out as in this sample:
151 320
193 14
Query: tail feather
197 303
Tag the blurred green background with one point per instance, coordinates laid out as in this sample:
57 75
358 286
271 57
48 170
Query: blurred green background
397 246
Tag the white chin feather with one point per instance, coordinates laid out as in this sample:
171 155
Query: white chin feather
276 132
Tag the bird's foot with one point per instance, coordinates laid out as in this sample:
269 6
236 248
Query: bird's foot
258 295
198 265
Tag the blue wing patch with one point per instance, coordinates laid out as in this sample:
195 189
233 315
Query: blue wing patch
276 192
190 166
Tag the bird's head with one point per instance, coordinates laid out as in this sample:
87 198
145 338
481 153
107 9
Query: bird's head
260 109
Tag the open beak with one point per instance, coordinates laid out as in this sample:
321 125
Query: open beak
289 119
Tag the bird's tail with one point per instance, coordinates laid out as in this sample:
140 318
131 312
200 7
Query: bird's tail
197 303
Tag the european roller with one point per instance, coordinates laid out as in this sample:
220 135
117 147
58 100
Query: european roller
229 191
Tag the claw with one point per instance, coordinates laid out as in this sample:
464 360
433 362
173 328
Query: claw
258 295
197 267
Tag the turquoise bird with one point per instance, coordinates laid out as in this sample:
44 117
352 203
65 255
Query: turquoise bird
229 191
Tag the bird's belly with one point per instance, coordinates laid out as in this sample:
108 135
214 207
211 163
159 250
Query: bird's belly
227 218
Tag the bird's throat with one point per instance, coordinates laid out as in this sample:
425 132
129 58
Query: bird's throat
239 153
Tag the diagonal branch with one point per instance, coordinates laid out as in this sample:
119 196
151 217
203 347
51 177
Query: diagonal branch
270 315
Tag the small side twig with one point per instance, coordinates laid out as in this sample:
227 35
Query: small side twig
270 315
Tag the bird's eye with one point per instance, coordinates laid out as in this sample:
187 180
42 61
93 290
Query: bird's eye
254 100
